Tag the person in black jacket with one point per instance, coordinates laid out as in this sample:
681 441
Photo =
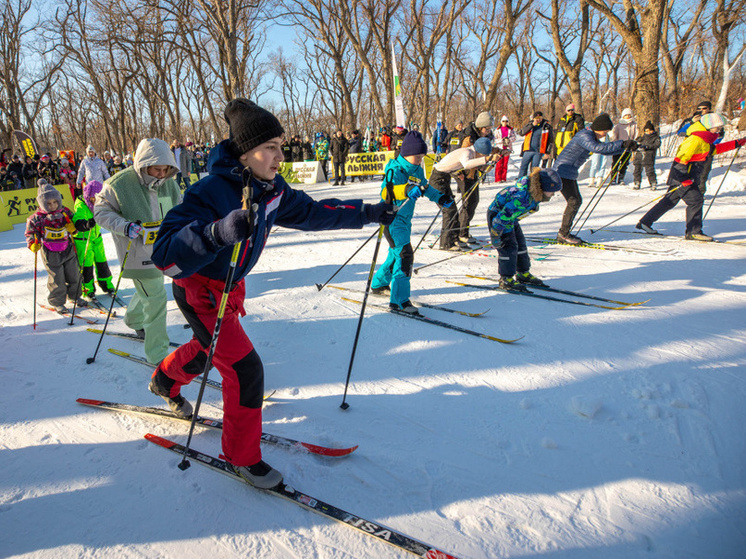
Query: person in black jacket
455 137
339 148
647 146
30 173
307 150
356 146
15 170
296 149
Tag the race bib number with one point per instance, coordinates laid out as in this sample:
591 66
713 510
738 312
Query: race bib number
454 141
52 234
150 232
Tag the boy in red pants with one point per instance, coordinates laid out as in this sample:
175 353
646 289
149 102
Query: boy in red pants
194 246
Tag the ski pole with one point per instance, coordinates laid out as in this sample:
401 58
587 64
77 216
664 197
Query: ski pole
113 298
721 182
416 270
633 211
320 286
462 202
608 177
79 290
247 196
592 209
36 265
390 198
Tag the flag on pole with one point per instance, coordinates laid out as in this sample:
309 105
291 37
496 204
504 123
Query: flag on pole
27 143
398 104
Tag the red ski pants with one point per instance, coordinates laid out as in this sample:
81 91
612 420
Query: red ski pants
235 358
501 169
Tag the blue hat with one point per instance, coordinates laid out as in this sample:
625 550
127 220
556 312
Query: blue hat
550 180
413 144
483 146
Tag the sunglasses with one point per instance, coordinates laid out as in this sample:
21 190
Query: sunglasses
703 109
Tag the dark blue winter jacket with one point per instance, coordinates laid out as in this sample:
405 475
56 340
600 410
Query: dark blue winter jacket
182 247
579 149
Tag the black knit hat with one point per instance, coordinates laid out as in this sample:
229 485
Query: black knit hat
602 123
649 126
705 103
250 125
413 144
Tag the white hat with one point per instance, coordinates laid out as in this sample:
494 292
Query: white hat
713 120
627 112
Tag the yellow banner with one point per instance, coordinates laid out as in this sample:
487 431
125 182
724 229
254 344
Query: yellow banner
365 163
17 205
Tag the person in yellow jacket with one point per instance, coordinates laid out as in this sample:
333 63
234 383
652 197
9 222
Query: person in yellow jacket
686 174
569 125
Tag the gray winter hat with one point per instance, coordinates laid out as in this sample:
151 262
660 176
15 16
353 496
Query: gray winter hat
483 120
46 194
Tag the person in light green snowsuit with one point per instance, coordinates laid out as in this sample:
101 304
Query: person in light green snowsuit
132 205
88 242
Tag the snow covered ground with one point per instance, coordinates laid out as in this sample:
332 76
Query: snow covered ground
602 433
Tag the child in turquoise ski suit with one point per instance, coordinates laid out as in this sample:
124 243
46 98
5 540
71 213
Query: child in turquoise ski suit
408 180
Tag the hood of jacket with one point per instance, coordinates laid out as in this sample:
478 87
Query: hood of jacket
151 152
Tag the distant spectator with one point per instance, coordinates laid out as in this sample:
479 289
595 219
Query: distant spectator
90 168
569 125
30 172
625 129
183 159
356 146
504 138
15 169
322 153
296 148
47 169
455 137
307 149
339 148
644 158
537 143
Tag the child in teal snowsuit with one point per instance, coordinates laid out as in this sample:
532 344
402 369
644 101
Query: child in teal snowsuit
88 242
408 180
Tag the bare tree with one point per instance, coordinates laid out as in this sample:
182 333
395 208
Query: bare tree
726 17
565 32
425 29
674 54
639 24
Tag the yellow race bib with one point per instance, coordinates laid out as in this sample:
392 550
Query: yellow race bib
150 232
55 234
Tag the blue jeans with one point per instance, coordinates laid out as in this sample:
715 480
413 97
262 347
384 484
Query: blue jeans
532 158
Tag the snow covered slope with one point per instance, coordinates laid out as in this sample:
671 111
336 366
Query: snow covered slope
615 434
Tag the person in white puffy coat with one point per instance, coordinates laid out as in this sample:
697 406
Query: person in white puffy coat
91 168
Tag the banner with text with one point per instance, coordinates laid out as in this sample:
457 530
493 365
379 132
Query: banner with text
17 205
371 163
307 172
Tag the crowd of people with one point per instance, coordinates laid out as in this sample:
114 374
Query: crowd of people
23 171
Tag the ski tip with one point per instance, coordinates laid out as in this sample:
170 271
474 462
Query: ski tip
494 339
118 352
88 402
160 441
638 303
95 330
326 451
